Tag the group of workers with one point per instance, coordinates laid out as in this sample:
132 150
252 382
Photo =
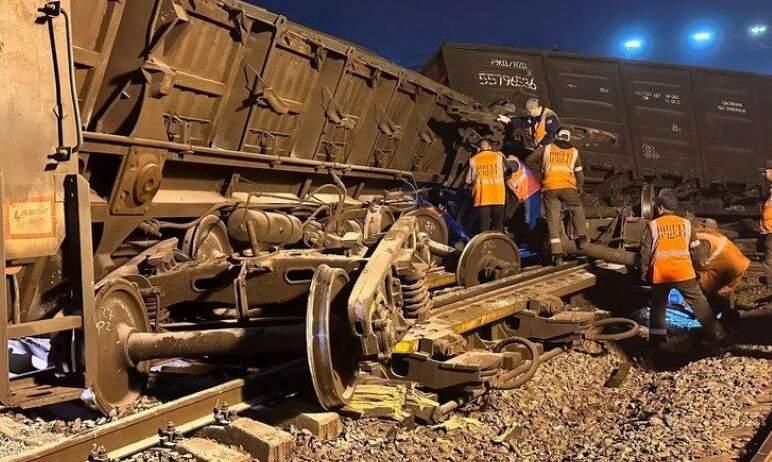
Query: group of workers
558 177
699 262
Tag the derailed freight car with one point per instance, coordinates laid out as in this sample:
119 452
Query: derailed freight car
707 132
190 166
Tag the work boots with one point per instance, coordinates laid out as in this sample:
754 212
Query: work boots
715 338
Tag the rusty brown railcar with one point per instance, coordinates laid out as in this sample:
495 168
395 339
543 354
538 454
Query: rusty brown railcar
205 178
703 131
169 165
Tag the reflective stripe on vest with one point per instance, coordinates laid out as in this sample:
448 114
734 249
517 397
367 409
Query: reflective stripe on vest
558 165
539 131
766 215
670 258
487 168
522 183
725 265
717 245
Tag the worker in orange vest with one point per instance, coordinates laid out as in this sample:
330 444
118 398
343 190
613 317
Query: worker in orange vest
561 184
543 125
724 268
766 225
523 191
670 252
486 173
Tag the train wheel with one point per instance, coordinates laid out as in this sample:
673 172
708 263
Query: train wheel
330 341
119 310
648 201
487 257
208 239
433 224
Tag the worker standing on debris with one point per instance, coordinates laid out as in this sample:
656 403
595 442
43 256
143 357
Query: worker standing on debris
562 183
766 225
523 190
724 268
486 173
670 253
543 124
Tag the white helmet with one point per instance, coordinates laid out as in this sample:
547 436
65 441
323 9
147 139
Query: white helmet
564 134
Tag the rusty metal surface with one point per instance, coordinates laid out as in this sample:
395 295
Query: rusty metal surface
493 305
488 256
201 62
228 155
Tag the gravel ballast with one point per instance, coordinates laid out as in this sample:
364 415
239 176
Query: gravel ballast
707 408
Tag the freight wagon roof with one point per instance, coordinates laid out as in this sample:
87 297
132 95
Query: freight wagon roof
479 47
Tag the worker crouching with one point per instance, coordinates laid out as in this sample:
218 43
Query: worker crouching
486 173
562 183
670 253
724 268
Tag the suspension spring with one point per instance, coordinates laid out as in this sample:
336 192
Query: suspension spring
415 294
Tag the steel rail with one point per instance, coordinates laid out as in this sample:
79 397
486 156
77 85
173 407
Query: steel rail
140 431
764 453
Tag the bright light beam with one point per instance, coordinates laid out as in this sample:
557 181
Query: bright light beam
633 44
702 36
757 30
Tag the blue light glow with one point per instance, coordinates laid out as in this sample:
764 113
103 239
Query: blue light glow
703 36
633 44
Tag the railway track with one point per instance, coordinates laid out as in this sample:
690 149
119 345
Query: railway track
149 428
175 425
152 427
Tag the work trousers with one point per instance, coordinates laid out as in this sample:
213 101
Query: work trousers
491 218
553 200
768 258
694 298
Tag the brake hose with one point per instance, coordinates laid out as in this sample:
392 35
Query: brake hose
593 333
527 373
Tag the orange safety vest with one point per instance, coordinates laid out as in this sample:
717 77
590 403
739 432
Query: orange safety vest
766 215
539 131
522 182
559 166
670 258
487 173
725 265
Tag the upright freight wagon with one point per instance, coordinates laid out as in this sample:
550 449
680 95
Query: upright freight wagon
705 131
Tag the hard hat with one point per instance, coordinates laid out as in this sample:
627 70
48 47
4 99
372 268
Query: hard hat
564 134
532 103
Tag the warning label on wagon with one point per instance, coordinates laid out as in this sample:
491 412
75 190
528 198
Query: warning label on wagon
32 218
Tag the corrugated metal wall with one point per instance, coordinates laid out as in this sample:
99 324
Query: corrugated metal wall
669 121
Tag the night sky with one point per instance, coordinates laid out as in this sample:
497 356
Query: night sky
410 31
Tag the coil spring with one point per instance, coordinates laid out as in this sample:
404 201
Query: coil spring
155 313
417 302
